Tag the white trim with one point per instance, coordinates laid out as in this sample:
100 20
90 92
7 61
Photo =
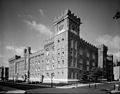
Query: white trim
74 32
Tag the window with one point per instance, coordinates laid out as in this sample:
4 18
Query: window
81 67
47 67
81 61
47 75
71 63
88 62
59 64
73 27
63 61
71 74
71 51
76 75
47 61
58 41
71 43
88 54
87 68
76 63
76 45
62 39
62 73
53 66
81 52
93 63
52 47
93 56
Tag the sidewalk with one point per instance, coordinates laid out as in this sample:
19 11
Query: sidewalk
77 85
6 89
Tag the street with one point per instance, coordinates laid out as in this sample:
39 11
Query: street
99 89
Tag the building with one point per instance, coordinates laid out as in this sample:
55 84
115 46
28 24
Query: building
105 62
109 68
116 73
102 56
1 73
63 58
4 73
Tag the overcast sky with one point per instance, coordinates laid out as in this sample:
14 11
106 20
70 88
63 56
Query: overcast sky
26 23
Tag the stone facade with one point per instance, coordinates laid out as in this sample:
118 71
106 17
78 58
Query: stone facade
105 62
63 58
4 73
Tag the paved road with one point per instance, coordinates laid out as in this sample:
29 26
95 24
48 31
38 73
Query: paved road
6 89
72 90
100 89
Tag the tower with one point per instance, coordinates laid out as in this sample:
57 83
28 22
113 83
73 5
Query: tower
27 53
102 58
67 33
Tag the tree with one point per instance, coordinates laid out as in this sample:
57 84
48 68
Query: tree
117 15
96 73
83 75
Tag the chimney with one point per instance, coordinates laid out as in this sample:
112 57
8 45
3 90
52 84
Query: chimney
29 50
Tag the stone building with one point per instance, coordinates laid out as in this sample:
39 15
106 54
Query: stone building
105 62
4 73
109 68
116 72
63 58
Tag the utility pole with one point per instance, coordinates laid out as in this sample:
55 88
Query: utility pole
52 74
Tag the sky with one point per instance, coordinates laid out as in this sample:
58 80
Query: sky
26 23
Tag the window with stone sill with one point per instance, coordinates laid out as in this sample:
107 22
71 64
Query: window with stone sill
88 54
93 63
88 63
47 75
93 56
71 51
81 52
53 66
62 39
81 61
58 53
63 61
81 67
87 68
71 43
76 45
47 67
58 41
71 74
59 64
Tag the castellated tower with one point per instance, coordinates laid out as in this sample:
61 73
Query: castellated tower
67 29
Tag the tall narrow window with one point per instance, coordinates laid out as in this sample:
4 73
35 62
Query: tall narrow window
81 51
76 45
71 43
88 62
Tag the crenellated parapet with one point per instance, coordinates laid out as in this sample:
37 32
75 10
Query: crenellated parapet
67 14
87 43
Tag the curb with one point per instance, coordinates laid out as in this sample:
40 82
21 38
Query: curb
16 91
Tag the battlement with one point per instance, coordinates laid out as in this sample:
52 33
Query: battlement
67 14
87 43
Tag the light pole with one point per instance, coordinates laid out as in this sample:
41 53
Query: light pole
52 74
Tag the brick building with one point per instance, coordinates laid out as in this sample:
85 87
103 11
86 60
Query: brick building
63 58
